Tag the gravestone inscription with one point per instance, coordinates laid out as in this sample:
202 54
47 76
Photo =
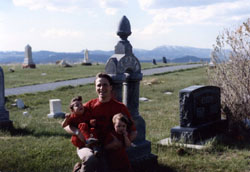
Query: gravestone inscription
200 115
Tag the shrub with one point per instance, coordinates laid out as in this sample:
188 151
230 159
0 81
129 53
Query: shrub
231 72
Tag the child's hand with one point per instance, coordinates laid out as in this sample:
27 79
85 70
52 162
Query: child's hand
125 133
92 122
67 115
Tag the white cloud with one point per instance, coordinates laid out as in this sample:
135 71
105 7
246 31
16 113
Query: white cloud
158 4
111 6
164 19
62 33
55 5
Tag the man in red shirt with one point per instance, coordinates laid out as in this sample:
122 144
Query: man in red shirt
102 109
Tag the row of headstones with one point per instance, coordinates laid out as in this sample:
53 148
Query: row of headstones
200 115
29 63
164 60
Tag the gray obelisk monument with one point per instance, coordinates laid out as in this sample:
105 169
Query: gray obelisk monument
5 123
125 70
28 61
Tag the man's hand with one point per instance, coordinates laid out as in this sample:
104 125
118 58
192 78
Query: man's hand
80 136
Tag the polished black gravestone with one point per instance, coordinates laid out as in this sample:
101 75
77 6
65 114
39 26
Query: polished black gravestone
200 115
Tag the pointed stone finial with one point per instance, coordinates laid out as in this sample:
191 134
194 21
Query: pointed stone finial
124 29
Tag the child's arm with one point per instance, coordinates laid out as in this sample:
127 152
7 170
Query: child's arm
114 144
126 139
66 120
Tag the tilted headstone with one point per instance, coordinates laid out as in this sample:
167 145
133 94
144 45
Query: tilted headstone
5 123
200 115
55 109
28 61
20 104
125 70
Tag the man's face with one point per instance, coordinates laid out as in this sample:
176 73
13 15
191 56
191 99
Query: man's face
103 89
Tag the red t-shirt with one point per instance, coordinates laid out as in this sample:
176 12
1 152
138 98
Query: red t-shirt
103 113
74 121
117 159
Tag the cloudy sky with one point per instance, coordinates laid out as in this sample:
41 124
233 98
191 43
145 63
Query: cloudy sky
74 25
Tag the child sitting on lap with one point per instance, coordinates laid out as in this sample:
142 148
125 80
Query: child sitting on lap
80 118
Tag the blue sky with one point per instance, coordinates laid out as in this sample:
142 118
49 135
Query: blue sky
75 25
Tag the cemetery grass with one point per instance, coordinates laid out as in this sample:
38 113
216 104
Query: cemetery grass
40 144
45 73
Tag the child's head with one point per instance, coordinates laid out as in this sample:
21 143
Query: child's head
121 123
76 105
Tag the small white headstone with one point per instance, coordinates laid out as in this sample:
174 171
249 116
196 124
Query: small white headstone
20 103
55 108
144 99
25 113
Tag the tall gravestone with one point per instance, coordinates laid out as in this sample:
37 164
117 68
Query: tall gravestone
5 123
125 70
86 58
28 61
200 115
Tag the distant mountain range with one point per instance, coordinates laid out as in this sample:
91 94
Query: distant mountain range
178 54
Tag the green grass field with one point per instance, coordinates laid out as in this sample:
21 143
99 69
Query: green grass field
52 73
40 144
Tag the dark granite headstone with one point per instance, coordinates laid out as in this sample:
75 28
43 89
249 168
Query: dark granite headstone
5 123
200 115
154 62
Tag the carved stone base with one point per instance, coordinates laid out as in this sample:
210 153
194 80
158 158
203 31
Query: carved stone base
141 158
56 115
6 125
199 133
33 66
86 64
146 163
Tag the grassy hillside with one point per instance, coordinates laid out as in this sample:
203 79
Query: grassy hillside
40 144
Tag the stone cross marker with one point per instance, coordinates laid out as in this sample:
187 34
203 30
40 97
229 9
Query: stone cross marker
200 115
5 123
28 62
125 70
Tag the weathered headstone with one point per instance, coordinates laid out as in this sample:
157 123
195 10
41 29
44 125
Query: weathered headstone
125 70
20 104
28 61
200 115
86 58
55 109
5 123
154 62
164 60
